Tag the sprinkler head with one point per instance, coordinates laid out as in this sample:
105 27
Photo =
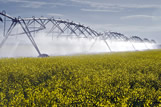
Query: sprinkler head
43 55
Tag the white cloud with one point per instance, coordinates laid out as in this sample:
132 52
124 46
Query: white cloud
123 28
118 6
28 4
140 17
5 1
131 30
93 4
55 14
34 4
98 10
146 6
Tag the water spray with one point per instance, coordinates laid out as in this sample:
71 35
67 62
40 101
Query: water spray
61 28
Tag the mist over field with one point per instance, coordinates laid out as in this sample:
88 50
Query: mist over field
20 46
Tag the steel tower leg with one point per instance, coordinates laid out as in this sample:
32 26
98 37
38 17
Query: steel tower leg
133 45
146 45
28 33
4 30
107 45
8 33
93 44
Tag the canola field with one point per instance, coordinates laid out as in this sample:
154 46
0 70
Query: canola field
112 79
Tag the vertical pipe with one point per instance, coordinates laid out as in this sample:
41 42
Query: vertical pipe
145 45
93 44
107 45
132 45
4 31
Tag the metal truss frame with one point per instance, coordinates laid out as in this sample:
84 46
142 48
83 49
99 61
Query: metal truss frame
30 26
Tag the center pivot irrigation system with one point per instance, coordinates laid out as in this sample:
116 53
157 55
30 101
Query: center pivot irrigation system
30 26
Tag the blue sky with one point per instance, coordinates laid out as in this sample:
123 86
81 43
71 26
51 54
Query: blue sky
130 17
